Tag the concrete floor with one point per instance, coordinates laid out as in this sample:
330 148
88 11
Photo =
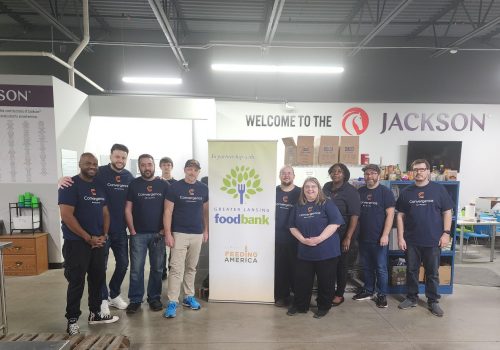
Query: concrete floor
472 321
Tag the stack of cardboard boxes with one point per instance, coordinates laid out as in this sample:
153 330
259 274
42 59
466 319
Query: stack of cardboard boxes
330 150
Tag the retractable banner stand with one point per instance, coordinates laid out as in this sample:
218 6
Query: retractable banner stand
242 182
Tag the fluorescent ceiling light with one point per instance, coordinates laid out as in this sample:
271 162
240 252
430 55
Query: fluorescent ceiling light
258 68
152 81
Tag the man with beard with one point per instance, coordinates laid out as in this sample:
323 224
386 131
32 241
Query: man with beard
375 222
186 227
85 225
424 224
144 216
287 195
115 179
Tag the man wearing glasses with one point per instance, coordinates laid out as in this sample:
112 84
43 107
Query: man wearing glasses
375 222
424 224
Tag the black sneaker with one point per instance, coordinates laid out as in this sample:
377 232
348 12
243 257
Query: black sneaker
98 318
293 310
132 308
320 313
73 328
381 301
283 302
435 309
364 295
155 305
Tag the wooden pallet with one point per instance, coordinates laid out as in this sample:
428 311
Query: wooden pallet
77 342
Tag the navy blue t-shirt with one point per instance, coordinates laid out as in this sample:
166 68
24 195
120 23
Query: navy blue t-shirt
171 181
285 201
116 186
374 202
311 219
188 202
88 199
148 202
346 198
423 208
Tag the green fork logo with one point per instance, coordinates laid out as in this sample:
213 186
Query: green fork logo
242 181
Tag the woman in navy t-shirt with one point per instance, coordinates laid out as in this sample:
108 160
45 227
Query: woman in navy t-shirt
346 198
313 221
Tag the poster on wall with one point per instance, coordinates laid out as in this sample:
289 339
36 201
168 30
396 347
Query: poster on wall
27 134
241 218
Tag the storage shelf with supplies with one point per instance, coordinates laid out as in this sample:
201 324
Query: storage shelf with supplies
25 219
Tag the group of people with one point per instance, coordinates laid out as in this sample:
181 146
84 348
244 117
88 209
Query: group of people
315 228
162 215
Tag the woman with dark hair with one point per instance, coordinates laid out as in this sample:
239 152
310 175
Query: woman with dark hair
346 197
314 221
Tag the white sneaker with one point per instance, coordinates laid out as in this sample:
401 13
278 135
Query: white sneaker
105 308
118 303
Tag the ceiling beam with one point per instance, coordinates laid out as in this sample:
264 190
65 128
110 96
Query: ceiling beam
161 17
274 19
468 36
378 28
100 19
452 6
52 20
16 17
348 20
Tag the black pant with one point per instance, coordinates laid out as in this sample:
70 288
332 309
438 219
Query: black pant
325 271
284 269
429 257
80 260
341 269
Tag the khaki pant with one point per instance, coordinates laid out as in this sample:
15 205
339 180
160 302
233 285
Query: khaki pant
183 262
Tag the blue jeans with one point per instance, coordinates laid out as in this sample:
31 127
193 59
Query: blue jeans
429 257
374 261
140 244
118 242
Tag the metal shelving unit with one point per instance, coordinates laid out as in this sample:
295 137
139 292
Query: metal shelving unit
25 219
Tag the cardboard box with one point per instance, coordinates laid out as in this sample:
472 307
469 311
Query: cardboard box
290 151
305 150
421 274
444 274
328 153
398 275
349 150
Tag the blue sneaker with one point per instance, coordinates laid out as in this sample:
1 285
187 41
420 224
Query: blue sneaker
191 302
171 310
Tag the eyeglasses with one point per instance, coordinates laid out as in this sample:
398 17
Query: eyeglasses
419 170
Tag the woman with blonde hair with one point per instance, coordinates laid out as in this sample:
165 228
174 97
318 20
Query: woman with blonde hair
314 221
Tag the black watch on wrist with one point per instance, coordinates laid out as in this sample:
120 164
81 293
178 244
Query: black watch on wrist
447 232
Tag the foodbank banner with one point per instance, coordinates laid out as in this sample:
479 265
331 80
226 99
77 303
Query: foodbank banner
242 182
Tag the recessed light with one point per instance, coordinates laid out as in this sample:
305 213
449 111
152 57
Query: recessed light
152 80
261 68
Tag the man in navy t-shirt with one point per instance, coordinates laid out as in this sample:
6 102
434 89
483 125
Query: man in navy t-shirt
287 195
375 221
114 178
85 225
144 216
186 227
424 224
